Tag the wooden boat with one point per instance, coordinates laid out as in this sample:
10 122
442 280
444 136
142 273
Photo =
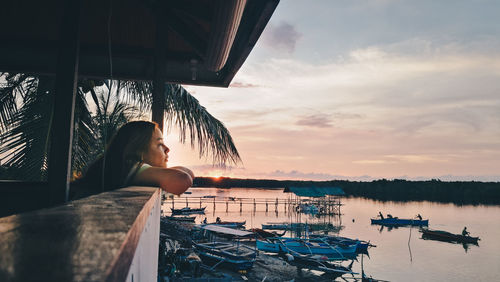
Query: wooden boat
305 246
447 236
266 234
400 221
181 218
299 226
188 210
232 255
317 262
275 226
362 246
230 224
237 257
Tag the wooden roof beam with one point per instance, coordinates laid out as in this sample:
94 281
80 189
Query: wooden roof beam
189 32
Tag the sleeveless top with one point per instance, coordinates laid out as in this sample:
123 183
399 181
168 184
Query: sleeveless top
136 169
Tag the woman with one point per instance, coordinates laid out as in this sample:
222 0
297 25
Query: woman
136 155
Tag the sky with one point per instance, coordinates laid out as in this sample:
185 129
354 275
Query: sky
364 90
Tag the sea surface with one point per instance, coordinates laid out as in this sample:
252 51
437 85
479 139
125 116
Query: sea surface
400 253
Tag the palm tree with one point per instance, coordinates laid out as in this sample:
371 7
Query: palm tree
101 108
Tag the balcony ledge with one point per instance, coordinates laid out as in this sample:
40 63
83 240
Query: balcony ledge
111 236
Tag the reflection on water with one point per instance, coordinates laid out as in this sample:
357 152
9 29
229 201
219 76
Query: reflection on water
400 253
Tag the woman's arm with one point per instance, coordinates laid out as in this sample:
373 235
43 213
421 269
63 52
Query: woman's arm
185 169
173 180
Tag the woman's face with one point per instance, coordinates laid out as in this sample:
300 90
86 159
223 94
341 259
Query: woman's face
157 152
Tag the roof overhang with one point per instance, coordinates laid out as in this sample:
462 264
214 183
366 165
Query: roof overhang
207 40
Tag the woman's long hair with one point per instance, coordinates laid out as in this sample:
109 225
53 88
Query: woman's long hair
123 152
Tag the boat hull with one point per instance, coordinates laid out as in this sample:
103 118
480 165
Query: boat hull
237 258
400 221
305 247
362 246
447 236
188 211
182 218
229 224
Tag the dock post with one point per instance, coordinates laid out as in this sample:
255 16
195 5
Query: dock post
266 205
241 206
276 205
200 202
254 205
187 204
173 202
227 205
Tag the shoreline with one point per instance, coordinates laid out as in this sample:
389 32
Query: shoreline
459 193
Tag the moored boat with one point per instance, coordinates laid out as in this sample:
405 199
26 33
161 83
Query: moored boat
228 254
362 246
181 218
237 257
305 246
266 234
448 236
300 226
188 210
317 262
230 224
275 226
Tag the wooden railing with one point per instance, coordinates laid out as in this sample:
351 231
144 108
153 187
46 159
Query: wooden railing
111 236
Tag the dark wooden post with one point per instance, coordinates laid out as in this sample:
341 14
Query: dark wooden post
61 131
160 69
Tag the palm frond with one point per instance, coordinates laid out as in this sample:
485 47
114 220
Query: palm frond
25 143
13 87
112 115
137 93
185 112
84 139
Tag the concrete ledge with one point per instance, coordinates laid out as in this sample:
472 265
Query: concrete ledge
91 239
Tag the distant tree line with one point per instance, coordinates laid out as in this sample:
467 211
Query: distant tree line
457 192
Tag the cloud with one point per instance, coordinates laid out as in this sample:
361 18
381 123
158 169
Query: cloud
383 112
238 84
282 37
318 120
298 175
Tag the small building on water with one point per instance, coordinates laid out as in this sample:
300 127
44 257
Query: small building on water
321 203
317 200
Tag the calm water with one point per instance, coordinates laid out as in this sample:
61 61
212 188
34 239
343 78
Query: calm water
401 254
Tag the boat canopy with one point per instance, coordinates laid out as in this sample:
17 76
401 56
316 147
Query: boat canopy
313 191
227 231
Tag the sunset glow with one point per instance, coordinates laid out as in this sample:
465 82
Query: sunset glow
349 90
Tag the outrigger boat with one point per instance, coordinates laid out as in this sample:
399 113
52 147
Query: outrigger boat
362 246
447 236
306 247
391 221
188 210
229 224
317 262
181 218
266 234
299 225
227 254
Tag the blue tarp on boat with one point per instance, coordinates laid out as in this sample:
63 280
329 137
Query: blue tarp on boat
313 191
